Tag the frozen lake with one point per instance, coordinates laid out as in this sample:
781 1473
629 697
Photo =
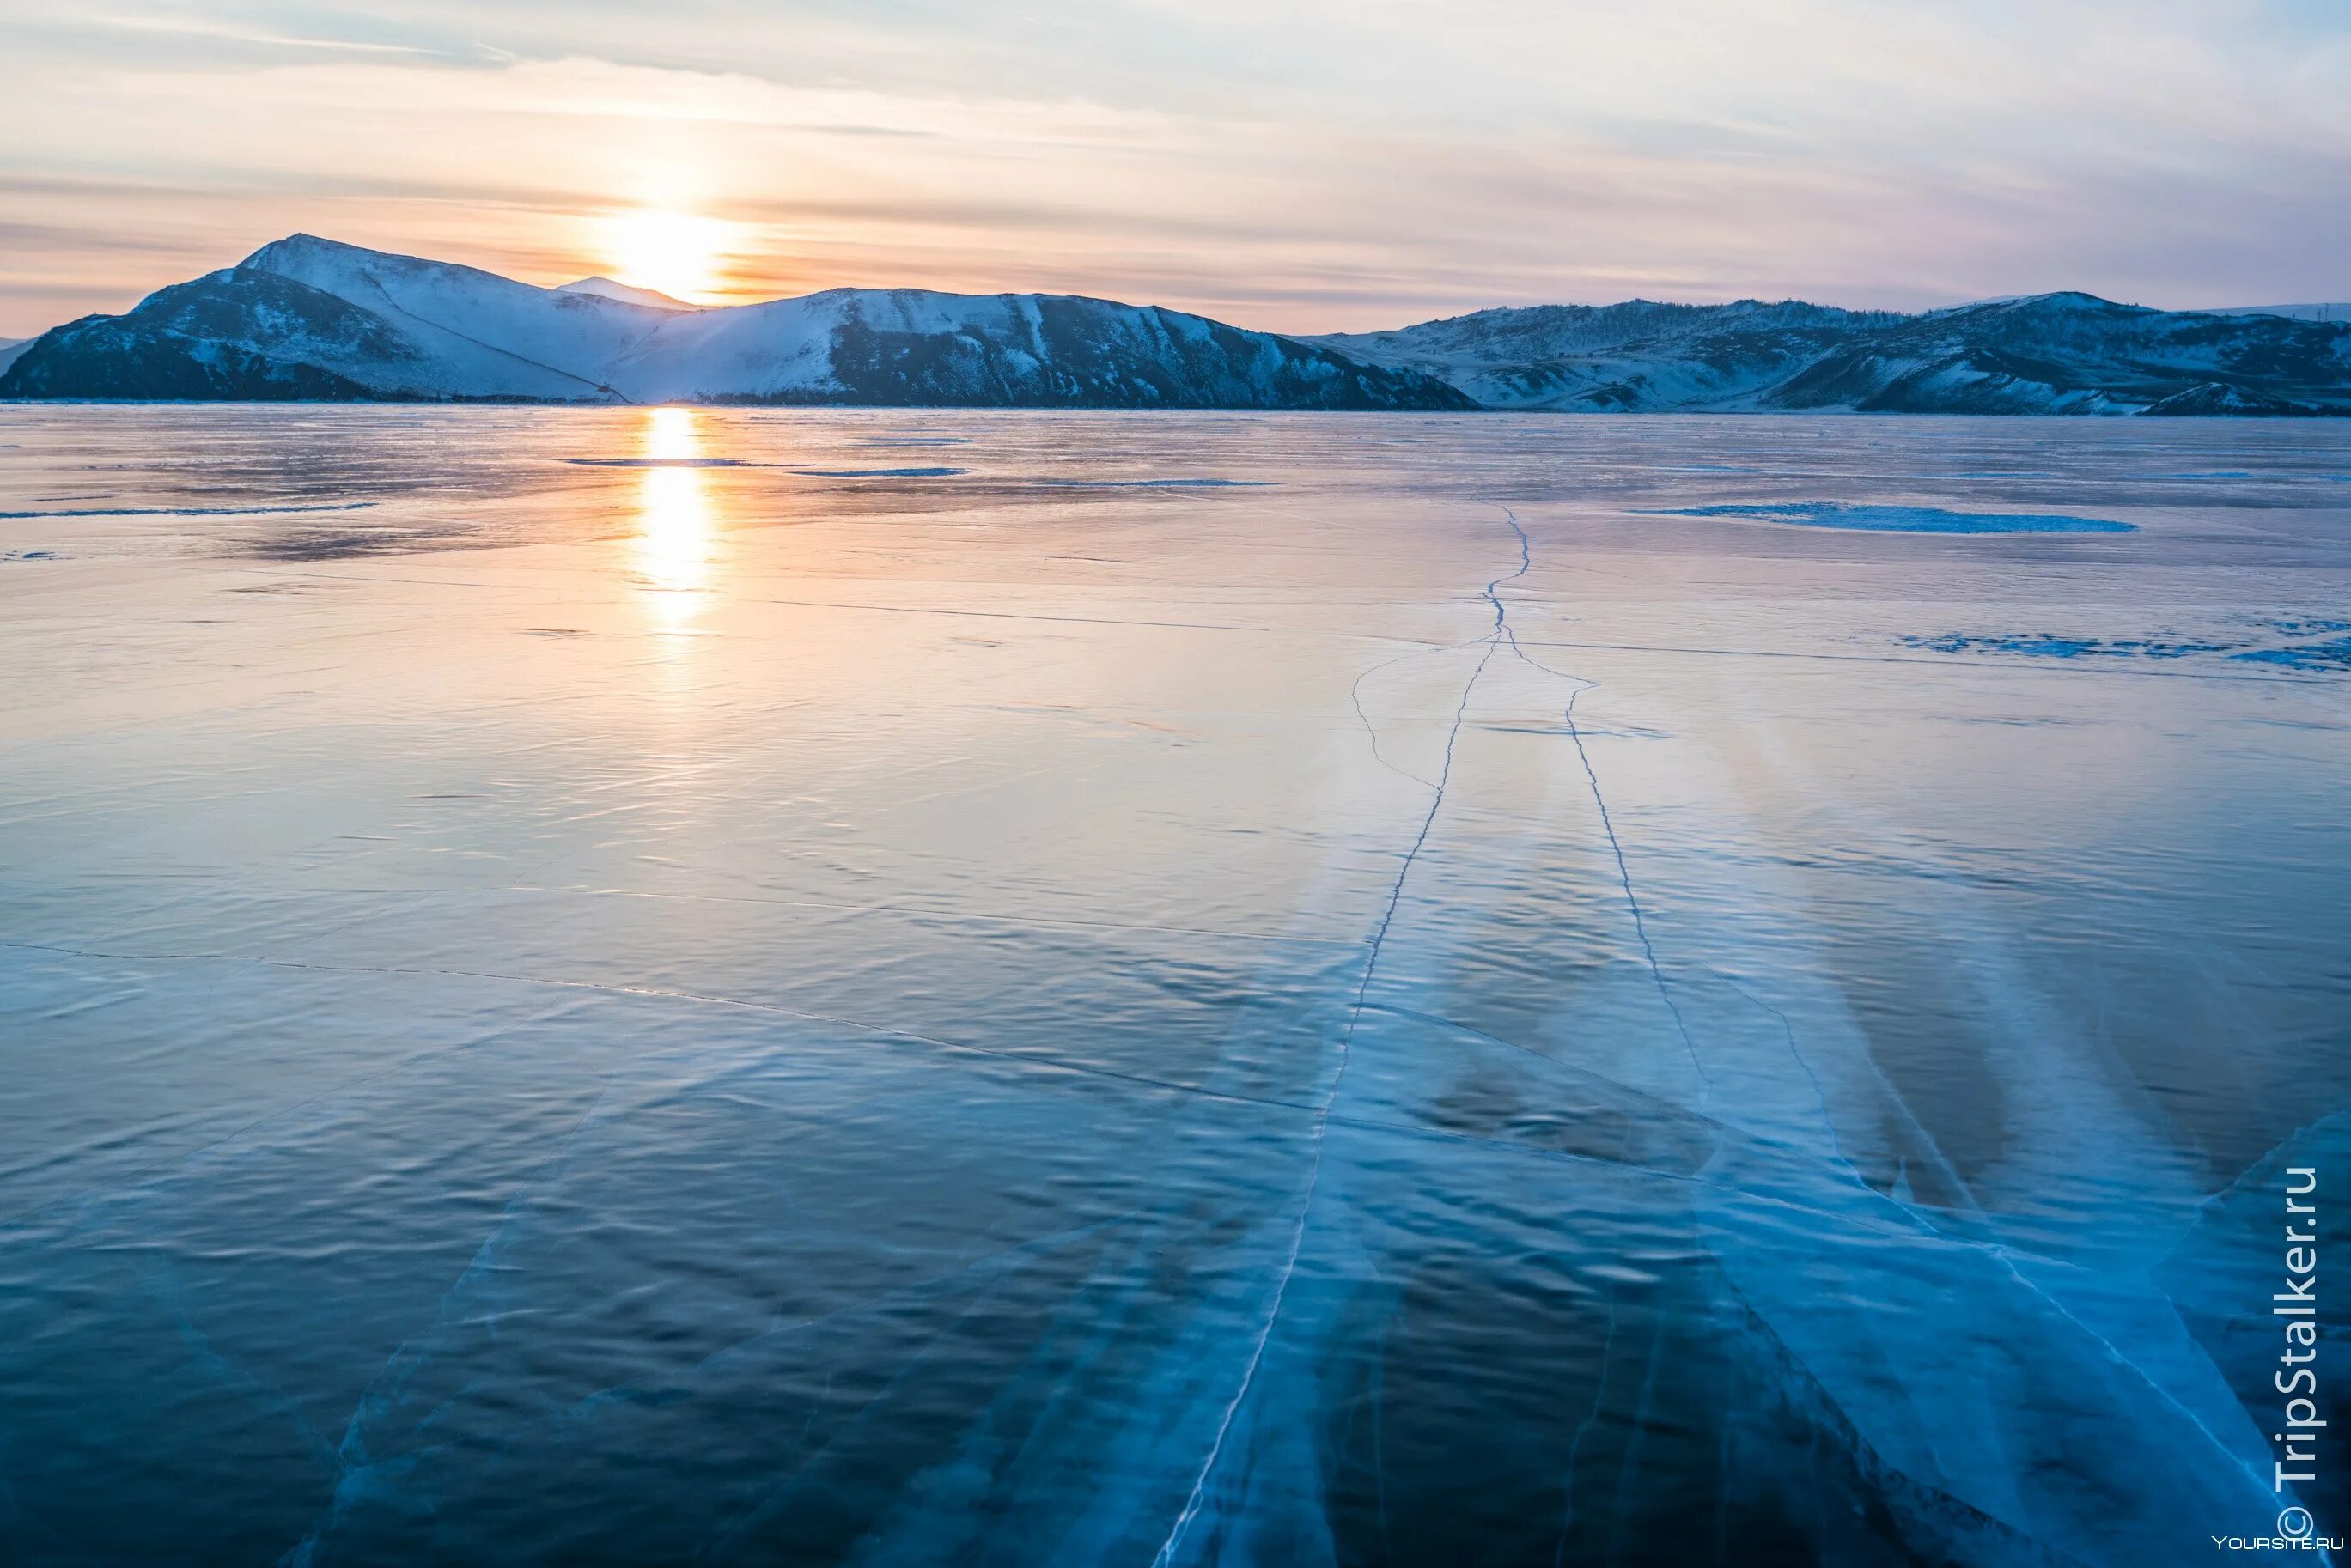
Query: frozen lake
926 987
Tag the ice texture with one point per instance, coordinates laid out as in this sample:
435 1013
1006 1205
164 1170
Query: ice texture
1396 1011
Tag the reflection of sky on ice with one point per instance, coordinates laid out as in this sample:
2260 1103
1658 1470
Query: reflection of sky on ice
760 1010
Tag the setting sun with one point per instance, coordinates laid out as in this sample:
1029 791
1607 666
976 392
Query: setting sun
678 254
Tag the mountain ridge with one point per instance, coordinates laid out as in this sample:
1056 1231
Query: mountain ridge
310 318
2061 353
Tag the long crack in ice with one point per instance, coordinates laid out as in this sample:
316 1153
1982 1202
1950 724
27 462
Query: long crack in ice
1491 641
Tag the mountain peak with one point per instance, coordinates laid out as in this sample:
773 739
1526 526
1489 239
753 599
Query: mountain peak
298 244
626 293
2063 299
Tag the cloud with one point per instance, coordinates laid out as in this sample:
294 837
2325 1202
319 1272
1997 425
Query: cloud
1303 165
183 26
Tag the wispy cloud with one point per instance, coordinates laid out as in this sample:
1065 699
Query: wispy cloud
181 26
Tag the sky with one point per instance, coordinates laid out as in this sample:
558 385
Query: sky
1289 164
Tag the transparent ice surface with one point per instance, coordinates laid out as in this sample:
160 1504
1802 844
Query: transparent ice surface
631 986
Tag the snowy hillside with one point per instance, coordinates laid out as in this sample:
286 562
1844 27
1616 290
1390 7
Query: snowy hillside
626 293
2048 353
311 318
306 317
2315 310
1638 355
9 349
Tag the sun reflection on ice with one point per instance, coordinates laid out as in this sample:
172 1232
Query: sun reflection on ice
677 545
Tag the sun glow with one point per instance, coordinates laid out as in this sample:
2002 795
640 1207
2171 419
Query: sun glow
677 253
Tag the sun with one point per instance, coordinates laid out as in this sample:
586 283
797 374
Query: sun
677 253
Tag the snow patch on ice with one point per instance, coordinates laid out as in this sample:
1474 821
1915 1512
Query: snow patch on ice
1154 483
2046 645
191 511
2318 643
878 472
1888 519
2335 654
665 462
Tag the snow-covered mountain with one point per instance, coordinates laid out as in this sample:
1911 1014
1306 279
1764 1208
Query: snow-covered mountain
2315 310
9 349
2046 354
627 292
306 317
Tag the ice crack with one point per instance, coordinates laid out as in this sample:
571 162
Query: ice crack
1491 641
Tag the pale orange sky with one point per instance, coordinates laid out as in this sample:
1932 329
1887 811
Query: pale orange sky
1301 167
